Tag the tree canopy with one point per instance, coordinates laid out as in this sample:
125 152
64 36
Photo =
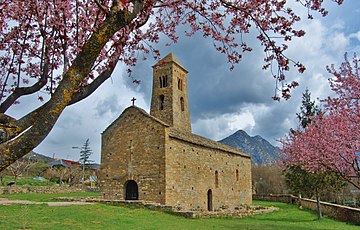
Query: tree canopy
299 180
331 142
70 47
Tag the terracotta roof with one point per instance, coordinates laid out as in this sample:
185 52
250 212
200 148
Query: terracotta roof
202 141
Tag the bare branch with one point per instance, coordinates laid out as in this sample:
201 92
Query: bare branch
21 91
103 8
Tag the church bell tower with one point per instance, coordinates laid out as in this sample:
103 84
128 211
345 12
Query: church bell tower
169 101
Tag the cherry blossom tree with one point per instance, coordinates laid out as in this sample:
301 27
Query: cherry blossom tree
316 183
332 141
70 47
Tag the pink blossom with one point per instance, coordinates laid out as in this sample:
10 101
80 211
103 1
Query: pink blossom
332 141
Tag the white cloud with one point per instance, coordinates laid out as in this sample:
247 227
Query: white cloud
355 35
221 126
338 42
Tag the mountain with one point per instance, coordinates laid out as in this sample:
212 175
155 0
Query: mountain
260 150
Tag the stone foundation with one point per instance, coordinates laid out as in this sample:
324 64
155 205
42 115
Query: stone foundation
242 211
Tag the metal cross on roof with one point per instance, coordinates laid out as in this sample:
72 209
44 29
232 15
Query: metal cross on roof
133 101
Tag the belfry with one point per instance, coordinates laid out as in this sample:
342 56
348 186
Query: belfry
169 100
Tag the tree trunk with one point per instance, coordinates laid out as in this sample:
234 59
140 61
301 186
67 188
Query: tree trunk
318 208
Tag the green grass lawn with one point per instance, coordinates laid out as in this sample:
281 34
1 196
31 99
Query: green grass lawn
101 216
27 181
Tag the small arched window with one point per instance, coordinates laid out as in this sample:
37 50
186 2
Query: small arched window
180 84
161 102
237 175
209 198
161 82
216 179
182 103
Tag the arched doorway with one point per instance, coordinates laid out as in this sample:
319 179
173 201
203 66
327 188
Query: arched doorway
209 200
131 190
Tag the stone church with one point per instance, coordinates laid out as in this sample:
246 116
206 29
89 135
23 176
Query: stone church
155 157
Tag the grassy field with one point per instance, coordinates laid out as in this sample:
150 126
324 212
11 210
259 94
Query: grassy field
100 216
27 181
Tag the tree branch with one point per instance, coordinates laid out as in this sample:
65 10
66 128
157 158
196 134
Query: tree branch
21 91
87 90
101 6
25 122
5 119
81 67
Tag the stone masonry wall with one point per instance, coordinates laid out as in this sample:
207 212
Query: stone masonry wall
166 113
133 149
181 117
190 173
336 211
38 189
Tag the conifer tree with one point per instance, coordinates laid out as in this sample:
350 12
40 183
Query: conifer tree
308 109
85 154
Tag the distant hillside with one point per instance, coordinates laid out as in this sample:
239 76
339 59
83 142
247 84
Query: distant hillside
33 156
260 150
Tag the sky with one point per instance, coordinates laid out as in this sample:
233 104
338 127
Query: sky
221 101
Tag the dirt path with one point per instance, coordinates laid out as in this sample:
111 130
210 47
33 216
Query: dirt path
4 201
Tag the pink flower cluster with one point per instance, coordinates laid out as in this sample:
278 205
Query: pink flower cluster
40 39
332 141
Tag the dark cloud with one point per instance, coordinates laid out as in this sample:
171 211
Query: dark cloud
108 104
213 88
